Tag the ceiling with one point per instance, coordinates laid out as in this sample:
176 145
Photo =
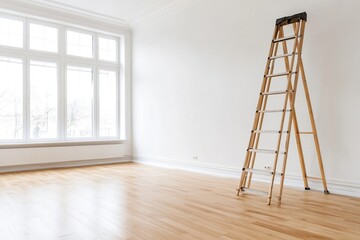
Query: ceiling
129 11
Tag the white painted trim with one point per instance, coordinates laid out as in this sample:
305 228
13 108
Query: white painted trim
58 15
57 165
57 6
161 11
335 186
60 144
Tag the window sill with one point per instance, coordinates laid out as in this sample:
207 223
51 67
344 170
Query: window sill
59 144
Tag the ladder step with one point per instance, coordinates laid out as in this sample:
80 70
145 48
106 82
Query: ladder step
259 171
281 56
258 150
285 38
269 131
276 92
273 111
279 74
244 189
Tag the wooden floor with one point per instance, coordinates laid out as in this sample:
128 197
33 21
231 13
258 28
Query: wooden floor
133 201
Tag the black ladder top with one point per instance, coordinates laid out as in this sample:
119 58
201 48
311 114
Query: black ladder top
291 19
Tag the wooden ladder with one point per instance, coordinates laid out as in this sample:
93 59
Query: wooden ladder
293 69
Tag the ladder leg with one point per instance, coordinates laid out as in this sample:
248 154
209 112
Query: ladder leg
281 34
300 151
257 115
287 96
295 122
316 139
262 115
291 98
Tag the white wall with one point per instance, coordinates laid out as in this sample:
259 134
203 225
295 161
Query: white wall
197 73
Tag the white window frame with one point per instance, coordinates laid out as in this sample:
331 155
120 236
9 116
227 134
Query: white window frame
62 60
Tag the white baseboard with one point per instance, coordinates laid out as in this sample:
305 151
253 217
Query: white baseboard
334 186
67 164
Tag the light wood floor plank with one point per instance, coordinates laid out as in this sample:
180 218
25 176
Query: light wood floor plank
134 201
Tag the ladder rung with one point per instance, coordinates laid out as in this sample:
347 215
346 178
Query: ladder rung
244 189
281 56
273 111
306 133
269 131
314 178
259 171
276 92
279 74
265 151
285 38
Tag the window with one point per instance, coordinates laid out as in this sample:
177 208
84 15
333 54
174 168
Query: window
43 100
107 49
107 103
79 44
58 83
11 32
11 98
79 102
43 38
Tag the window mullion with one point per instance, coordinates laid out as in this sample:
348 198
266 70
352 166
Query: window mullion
27 99
26 74
96 102
62 86
118 105
96 86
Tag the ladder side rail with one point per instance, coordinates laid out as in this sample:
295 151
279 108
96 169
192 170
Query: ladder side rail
287 96
256 119
295 122
262 115
298 45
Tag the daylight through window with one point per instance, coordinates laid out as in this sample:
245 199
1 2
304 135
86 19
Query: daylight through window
58 83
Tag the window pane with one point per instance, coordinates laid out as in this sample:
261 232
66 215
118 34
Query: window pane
11 98
107 103
43 100
11 32
79 102
107 49
43 38
79 44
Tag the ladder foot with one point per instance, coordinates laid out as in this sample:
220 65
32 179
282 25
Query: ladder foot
307 188
326 192
239 191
